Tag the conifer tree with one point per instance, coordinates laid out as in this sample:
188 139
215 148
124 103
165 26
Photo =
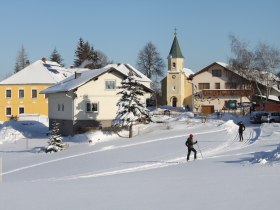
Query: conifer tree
56 57
21 60
55 142
87 57
84 52
130 107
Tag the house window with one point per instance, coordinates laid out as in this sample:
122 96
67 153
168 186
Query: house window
91 107
34 93
8 93
216 72
231 85
62 107
58 107
8 111
21 110
202 86
217 85
21 93
110 84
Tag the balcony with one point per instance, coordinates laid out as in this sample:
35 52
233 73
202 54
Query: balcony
227 92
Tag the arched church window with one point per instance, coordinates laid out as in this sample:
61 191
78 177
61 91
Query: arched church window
174 65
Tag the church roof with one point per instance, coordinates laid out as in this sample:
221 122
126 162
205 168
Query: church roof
175 50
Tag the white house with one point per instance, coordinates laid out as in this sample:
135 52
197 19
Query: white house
89 98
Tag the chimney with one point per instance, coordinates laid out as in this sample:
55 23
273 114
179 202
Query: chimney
77 75
44 59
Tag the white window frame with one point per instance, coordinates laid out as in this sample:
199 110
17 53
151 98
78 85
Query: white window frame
10 93
8 107
90 105
32 93
21 107
107 87
21 89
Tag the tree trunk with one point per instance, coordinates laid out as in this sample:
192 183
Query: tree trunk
130 131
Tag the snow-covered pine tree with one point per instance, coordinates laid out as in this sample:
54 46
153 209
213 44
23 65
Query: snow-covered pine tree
130 107
55 142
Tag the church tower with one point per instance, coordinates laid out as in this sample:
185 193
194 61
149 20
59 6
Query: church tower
175 79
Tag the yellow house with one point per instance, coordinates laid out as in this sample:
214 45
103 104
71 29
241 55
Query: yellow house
19 94
176 86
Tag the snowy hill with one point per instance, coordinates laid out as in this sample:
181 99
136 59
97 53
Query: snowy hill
148 171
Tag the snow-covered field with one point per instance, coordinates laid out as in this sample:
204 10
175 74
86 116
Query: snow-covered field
148 171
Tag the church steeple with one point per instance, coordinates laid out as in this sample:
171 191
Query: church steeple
175 57
175 51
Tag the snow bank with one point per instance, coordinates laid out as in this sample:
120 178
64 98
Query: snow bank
9 135
230 126
271 131
270 158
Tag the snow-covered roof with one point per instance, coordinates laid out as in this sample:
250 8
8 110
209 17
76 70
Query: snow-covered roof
188 72
222 64
39 72
71 82
126 68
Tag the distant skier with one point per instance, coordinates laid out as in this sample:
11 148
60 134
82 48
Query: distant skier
240 130
189 144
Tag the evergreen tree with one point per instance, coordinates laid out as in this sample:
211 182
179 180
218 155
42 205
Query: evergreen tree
84 53
131 109
21 60
55 142
56 57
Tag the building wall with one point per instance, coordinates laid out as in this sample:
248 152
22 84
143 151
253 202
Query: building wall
179 64
217 100
61 106
31 105
74 117
188 97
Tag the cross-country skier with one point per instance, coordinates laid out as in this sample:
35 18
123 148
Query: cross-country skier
240 130
189 144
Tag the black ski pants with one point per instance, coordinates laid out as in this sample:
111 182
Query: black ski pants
189 152
241 136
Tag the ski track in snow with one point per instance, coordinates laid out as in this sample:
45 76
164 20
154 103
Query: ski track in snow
103 149
208 152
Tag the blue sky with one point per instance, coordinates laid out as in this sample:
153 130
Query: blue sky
121 28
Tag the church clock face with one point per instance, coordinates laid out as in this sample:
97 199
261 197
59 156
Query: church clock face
173 76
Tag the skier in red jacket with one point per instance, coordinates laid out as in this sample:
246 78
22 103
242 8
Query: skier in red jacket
189 144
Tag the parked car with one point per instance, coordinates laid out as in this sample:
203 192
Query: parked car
271 117
256 117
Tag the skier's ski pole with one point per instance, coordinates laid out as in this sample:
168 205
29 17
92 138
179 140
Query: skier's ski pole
199 150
